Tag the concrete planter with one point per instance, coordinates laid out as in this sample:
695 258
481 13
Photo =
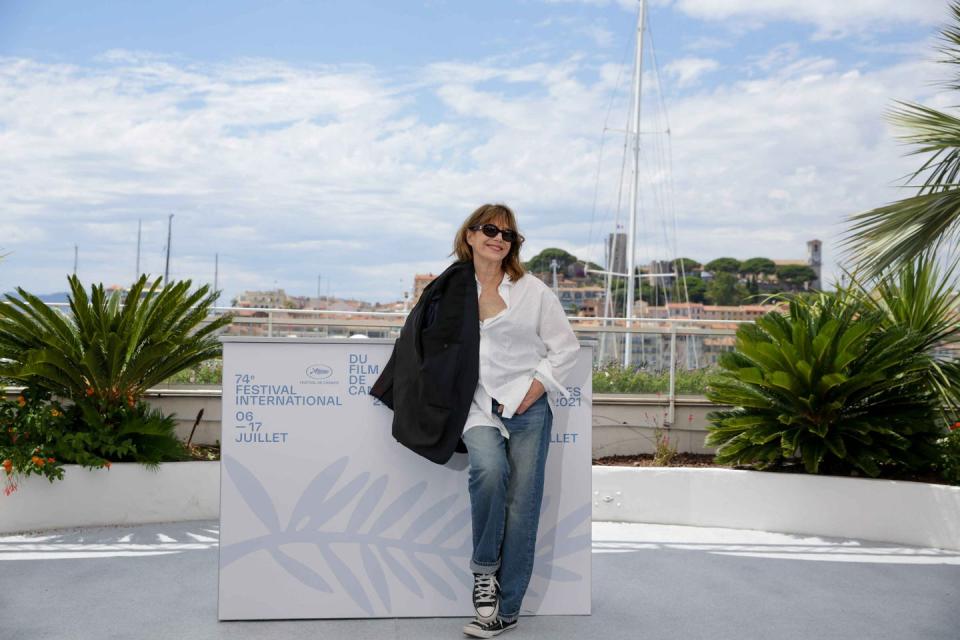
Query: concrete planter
127 493
623 424
910 513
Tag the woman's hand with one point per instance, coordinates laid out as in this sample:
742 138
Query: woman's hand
533 394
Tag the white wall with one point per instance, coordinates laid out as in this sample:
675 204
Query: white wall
912 513
127 493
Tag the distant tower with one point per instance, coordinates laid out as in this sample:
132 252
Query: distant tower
617 252
814 261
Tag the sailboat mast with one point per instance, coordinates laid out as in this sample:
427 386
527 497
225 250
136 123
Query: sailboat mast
635 183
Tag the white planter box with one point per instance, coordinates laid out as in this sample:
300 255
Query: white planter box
127 493
911 513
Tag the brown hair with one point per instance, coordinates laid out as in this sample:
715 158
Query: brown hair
491 213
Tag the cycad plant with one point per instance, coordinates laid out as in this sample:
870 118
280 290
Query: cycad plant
105 354
828 384
929 221
921 297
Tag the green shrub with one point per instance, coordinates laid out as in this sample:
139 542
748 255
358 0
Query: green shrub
107 355
831 384
210 372
949 463
103 357
29 427
124 434
612 378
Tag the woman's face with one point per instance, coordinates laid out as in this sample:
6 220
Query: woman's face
493 249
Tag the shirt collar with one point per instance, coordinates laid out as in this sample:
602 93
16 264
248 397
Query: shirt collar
507 280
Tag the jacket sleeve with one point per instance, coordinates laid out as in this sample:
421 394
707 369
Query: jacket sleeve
382 389
561 342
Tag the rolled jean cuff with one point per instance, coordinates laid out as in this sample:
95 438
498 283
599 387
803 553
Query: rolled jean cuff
507 618
476 567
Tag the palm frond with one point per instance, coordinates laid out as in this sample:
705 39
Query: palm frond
894 235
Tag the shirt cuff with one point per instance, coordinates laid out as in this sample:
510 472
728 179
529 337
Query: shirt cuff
518 393
544 373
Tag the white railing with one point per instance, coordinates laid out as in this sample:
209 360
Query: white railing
657 348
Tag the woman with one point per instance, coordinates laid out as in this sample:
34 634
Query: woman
526 350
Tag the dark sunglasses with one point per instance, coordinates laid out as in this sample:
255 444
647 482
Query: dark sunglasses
491 231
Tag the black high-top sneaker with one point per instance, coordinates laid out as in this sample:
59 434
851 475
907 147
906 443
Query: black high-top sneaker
479 629
486 596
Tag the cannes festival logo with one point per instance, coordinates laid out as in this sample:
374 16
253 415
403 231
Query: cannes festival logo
392 537
319 371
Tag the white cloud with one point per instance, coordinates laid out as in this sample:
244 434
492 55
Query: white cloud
291 171
601 36
831 18
686 71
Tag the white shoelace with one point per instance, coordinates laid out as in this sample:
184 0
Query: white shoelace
485 589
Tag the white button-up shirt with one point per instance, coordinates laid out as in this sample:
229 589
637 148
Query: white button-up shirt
530 338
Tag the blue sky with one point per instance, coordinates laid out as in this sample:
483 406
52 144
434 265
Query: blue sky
350 139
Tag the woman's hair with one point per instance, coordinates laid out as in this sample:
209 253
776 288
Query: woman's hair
492 213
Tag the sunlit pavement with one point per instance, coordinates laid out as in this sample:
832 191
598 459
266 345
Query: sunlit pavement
649 582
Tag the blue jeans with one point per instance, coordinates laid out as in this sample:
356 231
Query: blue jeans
506 490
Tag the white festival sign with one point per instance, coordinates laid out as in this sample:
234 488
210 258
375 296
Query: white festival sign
324 515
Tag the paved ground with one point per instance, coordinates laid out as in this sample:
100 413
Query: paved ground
649 582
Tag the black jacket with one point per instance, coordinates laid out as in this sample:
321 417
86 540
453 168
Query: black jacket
431 376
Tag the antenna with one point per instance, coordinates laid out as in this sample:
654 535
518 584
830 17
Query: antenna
76 253
166 270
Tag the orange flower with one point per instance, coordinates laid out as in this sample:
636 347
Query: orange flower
89 391
21 401
956 425
55 413
50 460
37 461
107 464
8 465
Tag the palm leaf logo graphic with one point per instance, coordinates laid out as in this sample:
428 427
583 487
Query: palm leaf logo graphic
380 552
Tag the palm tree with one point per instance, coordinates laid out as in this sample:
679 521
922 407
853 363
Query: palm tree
894 235
106 353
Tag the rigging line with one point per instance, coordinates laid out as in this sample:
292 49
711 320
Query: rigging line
644 229
664 202
653 154
658 148
610 250
619 208
669 146
670 186
606 120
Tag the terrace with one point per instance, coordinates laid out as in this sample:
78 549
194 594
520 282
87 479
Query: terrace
649 581
653 574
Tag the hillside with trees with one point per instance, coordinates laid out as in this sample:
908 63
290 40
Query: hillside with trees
721 281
